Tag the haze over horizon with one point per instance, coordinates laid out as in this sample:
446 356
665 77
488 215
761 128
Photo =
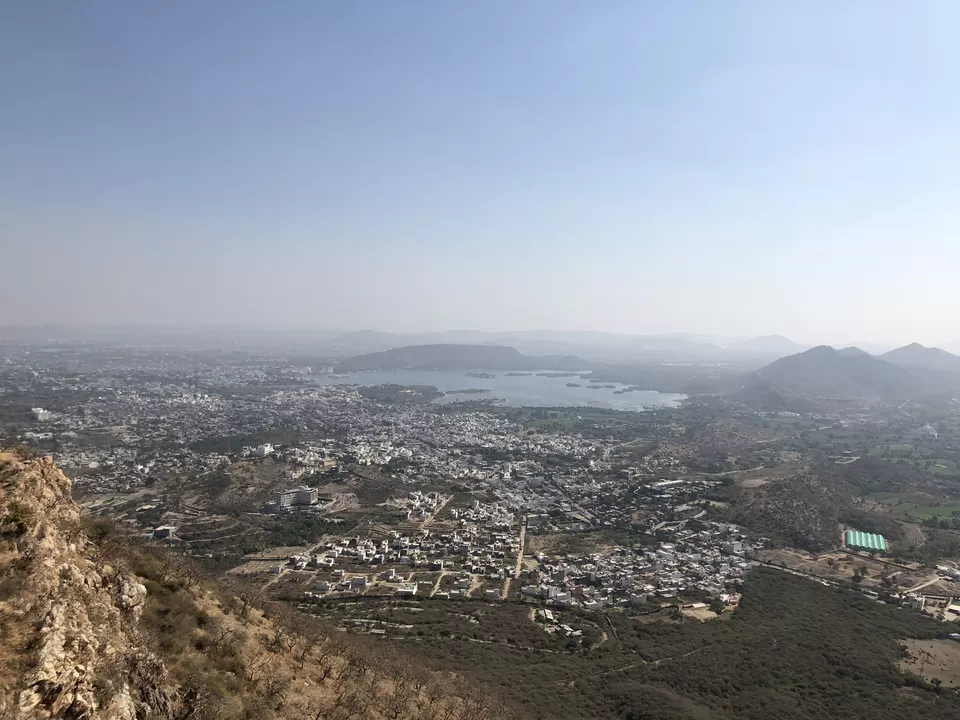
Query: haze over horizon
576 338
737 169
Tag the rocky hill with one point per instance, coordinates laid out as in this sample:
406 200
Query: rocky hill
96 626
918 357
458 357
829 373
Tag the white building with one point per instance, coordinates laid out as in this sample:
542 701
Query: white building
297 497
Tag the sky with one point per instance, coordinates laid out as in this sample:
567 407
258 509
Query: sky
736 167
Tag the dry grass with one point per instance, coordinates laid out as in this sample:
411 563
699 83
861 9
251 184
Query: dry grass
933 660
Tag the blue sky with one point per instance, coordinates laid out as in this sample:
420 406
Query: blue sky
737 167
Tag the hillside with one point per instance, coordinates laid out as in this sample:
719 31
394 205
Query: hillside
97 626
925 358
805 509
828 373
458 357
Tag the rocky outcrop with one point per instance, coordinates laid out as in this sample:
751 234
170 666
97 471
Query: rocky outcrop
70 627
96 626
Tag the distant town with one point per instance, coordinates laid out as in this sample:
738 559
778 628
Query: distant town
325 492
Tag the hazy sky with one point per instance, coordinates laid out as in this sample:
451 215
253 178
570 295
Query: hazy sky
712 167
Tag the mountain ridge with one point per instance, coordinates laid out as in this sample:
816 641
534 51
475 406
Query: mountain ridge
593 344
825 372
916 355
458 357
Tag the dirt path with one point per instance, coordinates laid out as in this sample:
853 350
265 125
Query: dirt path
639 662
436 585
429 521
922 585
519 566
523 538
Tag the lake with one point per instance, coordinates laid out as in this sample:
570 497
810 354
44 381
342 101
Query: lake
517 390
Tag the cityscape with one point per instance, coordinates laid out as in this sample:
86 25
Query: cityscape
479 361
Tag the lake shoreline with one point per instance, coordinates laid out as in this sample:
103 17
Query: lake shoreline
536 389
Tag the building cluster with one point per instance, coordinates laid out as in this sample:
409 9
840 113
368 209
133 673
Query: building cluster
120 424
477 543
419 506
700 558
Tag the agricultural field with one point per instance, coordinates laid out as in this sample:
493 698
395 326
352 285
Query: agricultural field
917 506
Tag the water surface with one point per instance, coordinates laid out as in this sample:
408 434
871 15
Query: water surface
517 390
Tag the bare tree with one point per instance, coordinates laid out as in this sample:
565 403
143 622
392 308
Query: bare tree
358 659
220 634
419 679
401 686
327 653
434 692
275 688
199 702
279 640
256 669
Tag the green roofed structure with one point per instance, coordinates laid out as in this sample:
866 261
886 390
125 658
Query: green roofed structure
857 540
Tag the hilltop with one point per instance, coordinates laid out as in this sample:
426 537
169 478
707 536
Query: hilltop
458 357
824 372
98 626
917 356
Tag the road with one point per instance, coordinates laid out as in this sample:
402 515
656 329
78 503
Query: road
801 573
429 521
519 566
922 585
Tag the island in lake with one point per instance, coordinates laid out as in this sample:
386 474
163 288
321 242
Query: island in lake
557 374
481 375
468 391
574 385
516 374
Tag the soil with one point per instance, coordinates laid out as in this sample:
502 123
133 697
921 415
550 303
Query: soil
933 660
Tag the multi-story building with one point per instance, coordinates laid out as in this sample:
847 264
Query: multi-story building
297 497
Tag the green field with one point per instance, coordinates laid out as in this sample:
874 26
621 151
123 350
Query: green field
914 510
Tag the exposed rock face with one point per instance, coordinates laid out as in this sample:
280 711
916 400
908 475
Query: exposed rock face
81 638
71 626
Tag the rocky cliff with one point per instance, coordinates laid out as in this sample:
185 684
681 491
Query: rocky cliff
97 625
69 620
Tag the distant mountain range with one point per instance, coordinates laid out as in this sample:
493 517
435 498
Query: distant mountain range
851 373
458 357
592 345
